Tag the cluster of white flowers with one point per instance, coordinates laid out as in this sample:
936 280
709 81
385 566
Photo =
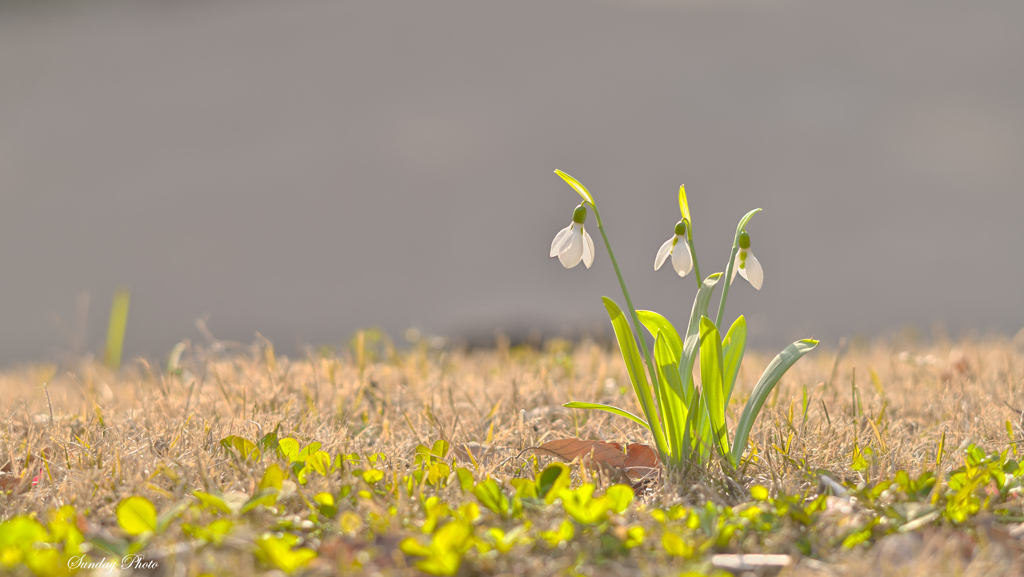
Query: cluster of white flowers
573 244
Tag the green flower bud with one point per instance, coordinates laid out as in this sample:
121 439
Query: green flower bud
579 216
681 228
744 240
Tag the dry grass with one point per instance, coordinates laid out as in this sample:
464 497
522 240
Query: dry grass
144 432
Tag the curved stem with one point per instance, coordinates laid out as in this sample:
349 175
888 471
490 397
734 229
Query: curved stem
636 323
728 281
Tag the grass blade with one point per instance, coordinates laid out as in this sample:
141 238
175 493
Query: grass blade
115 328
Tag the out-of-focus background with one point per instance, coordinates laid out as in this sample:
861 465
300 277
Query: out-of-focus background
303 169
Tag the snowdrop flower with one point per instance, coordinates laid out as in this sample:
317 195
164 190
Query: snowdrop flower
746 264
572 243
682 261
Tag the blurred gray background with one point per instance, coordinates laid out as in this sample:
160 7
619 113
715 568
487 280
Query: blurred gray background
307 168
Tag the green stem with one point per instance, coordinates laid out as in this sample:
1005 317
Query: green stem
636 322
693 253
728 278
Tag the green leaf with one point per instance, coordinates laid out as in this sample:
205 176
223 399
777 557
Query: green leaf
577 186
272 477
673 409
212 502
674 545
670 389
656 323
246 448
21 531
711 382
266 497
778 367
743 223
289 448
440 448
700 309
759 493
564 532
733 347
490 495
278 552
444 554
320 461
372 476
465 478
136 515
552 480
610 409
619 497
684 207
635 368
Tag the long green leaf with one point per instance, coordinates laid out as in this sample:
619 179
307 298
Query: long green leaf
655 323
778 367
610 409
733 346
700 309
669 390
711 382
635 368
700 424
578 187
673 409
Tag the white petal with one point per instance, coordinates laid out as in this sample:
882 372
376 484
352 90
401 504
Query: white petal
556 244
572 250
681 259
753 272
663 253
588 249
735 268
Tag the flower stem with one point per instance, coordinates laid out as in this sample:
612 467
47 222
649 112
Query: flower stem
732 261
636 322
728 281
693 253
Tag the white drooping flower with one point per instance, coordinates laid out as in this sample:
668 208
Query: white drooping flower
746 264
676 246
572 243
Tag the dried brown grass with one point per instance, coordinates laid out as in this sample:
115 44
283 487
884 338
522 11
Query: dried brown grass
142 431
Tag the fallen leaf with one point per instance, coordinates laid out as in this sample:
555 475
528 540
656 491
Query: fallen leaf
599 452
478 451
15 484
641 461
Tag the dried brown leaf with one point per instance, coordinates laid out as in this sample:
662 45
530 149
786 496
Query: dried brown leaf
641 461
598 452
